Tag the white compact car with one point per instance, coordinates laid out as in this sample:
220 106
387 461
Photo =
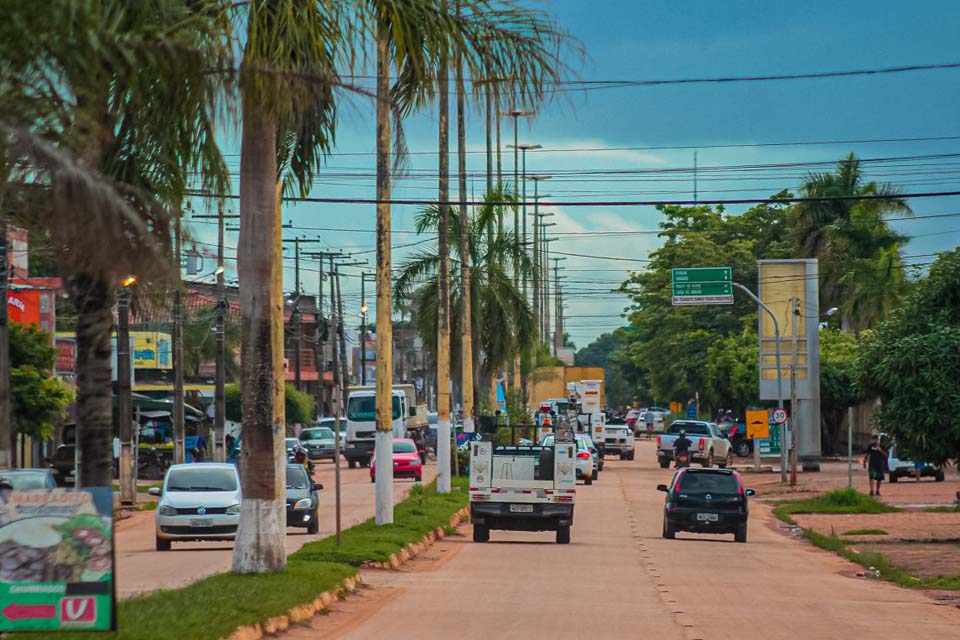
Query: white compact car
199 501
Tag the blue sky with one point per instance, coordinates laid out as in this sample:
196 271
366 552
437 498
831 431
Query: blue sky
626 39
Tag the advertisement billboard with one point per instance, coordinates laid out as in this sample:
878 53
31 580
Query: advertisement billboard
57 560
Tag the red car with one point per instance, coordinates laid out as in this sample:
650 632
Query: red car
406 461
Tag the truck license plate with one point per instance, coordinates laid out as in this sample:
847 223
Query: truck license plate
521 508
201 522
708 517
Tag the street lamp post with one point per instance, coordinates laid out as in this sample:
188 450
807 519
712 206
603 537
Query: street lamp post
363 328
128 489
545 265
516 114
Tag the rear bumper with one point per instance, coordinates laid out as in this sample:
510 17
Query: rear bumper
362 450
545 517
685 519
695 456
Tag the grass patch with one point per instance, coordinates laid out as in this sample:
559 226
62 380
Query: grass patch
836 501
865 532
955 509
886 569
422 512
214 607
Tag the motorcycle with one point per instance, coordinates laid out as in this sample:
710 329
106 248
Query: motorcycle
682 458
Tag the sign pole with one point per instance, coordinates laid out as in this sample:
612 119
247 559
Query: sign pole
776 333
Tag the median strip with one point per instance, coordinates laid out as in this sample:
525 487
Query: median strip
249 606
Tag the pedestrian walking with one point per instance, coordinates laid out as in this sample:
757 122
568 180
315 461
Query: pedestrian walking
875 462
648 419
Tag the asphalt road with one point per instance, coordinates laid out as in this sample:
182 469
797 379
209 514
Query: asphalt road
141 568
620 579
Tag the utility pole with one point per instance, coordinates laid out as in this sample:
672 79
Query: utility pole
794 426
466 336
336 405
558 307
546 281
179 428
128 488
443 281
320 355
516 114
363 328
295 319
7 451
220 375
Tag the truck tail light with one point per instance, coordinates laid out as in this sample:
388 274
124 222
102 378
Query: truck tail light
658 442
701 444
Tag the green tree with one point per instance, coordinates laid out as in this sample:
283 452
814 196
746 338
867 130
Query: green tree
732 373
109 106
838 384
911 363
298 405
859 260
38 398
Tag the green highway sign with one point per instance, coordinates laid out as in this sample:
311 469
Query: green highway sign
702 285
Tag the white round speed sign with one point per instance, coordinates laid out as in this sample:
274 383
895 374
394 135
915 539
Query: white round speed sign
779 416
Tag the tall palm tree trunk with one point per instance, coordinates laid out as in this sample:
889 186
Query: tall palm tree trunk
93 297
383 447
466 338
443 285
261 535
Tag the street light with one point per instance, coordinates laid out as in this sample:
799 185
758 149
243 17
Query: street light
128 489
524 148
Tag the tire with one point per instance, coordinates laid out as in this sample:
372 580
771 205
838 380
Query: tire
709 461
893 478
163 545
373 479
481 533
728 461
596 475
563 535
365 463
633 455
313 527
743 449
669 532
664 463
352 464
939 477
741 533
623 457
588 480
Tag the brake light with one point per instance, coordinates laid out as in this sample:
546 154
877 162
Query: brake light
583 456
658 442
701 444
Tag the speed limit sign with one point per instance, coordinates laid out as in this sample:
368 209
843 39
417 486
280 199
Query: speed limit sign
779 416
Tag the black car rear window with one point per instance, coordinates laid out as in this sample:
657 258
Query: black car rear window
708 483
692 428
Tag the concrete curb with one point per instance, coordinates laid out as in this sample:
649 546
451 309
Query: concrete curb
412 550
307 611
298 614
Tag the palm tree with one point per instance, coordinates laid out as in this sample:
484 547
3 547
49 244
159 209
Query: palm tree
108 114
200 344
497 306
860 266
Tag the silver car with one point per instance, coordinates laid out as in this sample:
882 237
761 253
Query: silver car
198 501
320 443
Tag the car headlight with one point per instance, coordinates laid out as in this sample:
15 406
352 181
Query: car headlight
233 510
164 510
306 503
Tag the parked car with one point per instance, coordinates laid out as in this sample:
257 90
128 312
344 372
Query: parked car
302 500
406 461
736 433
292 444
631 419
21 479
708 446
198 501
909 469
619 441
63 465
594 453
706 501
320 443
586 467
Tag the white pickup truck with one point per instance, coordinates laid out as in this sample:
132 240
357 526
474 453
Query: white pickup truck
618 440
708 446
522 488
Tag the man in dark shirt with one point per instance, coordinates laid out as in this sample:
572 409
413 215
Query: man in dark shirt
875 461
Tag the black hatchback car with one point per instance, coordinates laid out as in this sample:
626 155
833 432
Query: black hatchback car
302 500
706 501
